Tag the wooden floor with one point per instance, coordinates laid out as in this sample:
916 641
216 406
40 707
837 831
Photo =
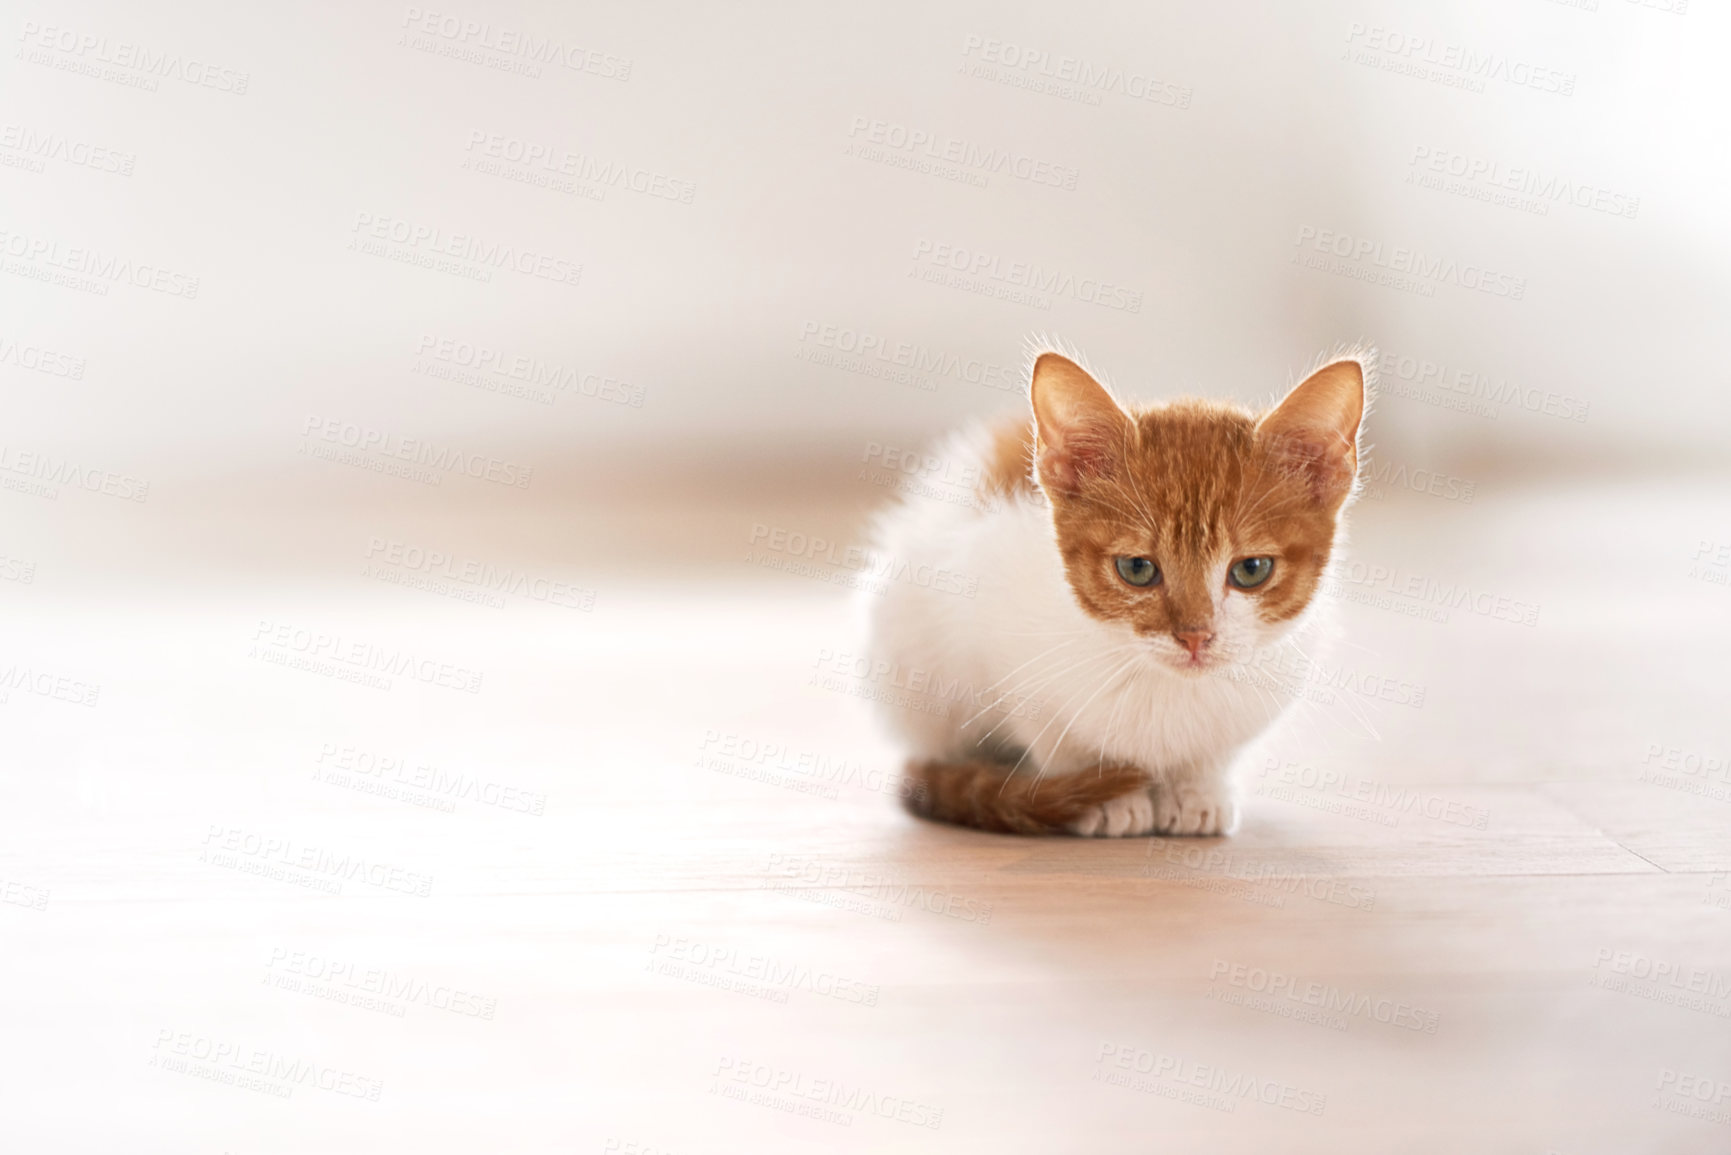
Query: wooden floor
648 890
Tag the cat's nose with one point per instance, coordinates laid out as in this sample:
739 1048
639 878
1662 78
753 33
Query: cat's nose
1193 640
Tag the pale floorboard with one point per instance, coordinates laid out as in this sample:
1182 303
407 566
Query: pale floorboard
978 976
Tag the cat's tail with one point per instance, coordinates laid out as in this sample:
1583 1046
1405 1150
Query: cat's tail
987 796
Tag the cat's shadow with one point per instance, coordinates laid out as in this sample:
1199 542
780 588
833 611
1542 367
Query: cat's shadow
1125 907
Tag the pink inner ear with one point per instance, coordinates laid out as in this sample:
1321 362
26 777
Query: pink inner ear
1080 457
1090 459
1323 468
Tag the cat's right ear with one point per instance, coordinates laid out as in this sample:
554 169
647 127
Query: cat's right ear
1081 430
1312 435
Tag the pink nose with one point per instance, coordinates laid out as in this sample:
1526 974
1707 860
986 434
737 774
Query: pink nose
1194 640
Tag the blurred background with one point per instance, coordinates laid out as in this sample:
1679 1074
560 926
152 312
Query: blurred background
783 234
425 429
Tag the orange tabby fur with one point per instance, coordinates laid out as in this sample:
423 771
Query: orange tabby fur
978 794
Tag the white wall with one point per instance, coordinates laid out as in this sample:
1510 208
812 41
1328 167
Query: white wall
1267 129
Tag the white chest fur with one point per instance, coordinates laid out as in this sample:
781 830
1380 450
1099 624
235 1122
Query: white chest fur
1014 669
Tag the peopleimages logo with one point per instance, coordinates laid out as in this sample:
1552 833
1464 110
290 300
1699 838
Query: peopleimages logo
345 979
1544 188
1432 381
458 33
41 254
41 360
38 147
1667 981
808 771
861 560
255 1068
394 448
428 245
692 958
47 684
56 471
799 1093
1067 77
1403 263
1022 281
1115 1062
1397 800
1325 997
1456 65
800 876
874 354
578 166
224 845
285 644
886 140
417 781
483 575
86 51
495 370
1450 595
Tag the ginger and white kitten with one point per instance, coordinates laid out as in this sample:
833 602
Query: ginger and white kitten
1135 570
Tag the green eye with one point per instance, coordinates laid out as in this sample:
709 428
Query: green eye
1138 571
1250 572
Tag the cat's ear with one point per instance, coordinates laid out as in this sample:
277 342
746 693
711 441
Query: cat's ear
1081 430
1312 435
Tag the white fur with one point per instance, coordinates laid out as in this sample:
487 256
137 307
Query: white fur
1096 693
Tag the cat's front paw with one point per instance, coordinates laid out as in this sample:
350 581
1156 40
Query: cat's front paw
1126 816
1191 809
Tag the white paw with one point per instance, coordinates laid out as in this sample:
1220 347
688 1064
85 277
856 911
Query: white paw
1190 809
1123 817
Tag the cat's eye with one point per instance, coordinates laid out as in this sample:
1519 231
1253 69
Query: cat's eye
1250 572
1138 571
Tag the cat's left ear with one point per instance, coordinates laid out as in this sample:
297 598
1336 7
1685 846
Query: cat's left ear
1313 433
1082 431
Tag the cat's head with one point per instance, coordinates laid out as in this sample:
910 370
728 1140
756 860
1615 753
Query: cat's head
1200 526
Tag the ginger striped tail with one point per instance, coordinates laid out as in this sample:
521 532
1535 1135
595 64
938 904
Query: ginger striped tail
987 796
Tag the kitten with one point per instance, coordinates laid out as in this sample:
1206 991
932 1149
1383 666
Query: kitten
1131 573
